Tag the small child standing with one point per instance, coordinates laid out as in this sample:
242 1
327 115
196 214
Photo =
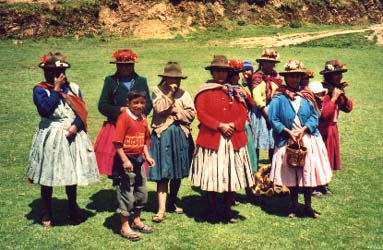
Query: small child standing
131 135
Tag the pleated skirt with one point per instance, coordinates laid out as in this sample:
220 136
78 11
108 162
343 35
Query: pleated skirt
263 137
172 153
315 172
56 161
222 170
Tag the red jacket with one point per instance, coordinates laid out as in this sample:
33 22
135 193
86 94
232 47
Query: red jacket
214 107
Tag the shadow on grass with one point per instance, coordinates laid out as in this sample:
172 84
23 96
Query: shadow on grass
103 201
59 212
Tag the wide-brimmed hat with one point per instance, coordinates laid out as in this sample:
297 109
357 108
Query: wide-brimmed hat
333 66
124 56
219 61
293 67
53 61
173 69
308 73
236 65
269 55
317 87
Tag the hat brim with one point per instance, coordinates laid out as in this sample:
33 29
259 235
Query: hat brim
212 67
263 59
323 72
128 62
173 76
43 66
283 73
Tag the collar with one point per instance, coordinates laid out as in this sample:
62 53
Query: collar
133 116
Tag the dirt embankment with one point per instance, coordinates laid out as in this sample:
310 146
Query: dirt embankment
169 18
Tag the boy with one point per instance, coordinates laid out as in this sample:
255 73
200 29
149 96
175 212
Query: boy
131 135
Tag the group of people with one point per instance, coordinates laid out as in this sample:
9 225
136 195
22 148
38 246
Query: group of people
235 121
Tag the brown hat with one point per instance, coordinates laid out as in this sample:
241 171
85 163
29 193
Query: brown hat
219 61
269 55
293 67
173 69
124 56
53 61
333 66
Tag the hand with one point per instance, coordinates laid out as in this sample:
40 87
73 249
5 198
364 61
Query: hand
336 93
59 82
299 133
292 135
150 161
227 129
174 110
127 165
171 89
71 132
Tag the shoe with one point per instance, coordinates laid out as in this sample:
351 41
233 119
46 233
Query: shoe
311 213
131 235
143 228
159 217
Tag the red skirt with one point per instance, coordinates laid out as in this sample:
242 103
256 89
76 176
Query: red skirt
104 149
330 136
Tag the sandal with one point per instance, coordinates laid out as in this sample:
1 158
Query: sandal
158 218
143 228
175 209
131 235
46 221
311 213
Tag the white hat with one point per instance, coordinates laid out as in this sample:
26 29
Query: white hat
317 87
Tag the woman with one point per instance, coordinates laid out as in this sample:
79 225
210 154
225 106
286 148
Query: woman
264 83
171 143
294 120
113 101
221 162
334 101
61 154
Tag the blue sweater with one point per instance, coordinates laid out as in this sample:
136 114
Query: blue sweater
281 115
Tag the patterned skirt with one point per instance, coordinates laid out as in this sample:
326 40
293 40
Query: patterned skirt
56 161
220 171
263 137
315 172
172 153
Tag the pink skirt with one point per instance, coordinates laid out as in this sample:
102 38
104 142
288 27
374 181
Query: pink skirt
104 149
316 171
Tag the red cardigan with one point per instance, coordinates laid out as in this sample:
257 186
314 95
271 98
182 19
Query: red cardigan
213 107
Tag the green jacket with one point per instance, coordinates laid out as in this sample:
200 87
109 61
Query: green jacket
113 96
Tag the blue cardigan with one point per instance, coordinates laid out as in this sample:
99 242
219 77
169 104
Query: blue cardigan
282 114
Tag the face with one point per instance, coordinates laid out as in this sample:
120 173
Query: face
124 69
268 66
246 74
234 79
293 80
137 105
304 81
50 74
172 80
336 77
219 75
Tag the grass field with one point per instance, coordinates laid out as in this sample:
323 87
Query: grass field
351 218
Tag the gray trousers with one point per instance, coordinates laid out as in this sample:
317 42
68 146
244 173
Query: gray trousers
131 192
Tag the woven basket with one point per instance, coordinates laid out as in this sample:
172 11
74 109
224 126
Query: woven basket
296 155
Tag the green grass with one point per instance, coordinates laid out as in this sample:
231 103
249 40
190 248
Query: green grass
351 218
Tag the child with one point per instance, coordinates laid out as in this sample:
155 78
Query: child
61 154
128 174
171 142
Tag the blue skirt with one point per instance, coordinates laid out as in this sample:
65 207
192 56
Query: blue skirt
251 148
172 153
263 136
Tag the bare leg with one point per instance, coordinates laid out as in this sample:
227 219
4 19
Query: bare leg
162 192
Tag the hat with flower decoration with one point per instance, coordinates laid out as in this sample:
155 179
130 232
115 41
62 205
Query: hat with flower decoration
333 66
236 65
269 55
124 56
293 67
53 61
219 61
173 69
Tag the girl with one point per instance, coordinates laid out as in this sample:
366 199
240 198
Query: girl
61 154
294 119
171 142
